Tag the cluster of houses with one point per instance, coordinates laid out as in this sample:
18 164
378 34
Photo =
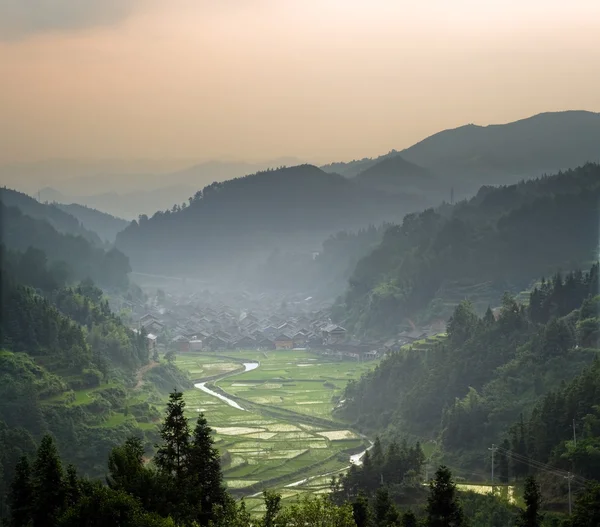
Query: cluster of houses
221 329
208 324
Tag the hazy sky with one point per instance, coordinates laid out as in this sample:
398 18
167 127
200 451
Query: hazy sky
318 79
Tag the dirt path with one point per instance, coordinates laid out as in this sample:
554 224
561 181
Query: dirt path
139 376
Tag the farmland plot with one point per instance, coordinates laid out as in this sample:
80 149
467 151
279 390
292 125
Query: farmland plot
285 432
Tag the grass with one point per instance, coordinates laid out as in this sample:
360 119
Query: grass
286 432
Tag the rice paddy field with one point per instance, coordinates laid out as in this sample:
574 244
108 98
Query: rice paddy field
284 437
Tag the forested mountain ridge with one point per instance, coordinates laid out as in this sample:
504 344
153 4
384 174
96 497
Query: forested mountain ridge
78 258
470 390
470 156
67 368
249 217
504 237
395 174
102 223
60 220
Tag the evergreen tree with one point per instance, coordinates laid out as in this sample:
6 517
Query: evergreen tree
175 432
385 512
360 511
21 494
48 485
531 517
72 486
503 465
586 512
443 508
203 469
409 519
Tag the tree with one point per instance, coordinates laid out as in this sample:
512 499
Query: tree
72 486
21 494
47 483
384 510
586 512
409 519
203 470
503 465
316 512
462 323
531 517
272 508
443 508
360 511
102 506
175 432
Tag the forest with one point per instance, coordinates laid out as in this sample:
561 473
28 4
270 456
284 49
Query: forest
245 219
524 378
501 240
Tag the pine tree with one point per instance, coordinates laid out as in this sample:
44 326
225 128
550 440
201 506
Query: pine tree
21 494
203 469
47 484
360 511
503 465
384 509
72 486
409 519
531 517
175 432
443 508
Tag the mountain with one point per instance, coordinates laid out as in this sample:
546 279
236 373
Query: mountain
128 205
395 174
59 219
74 255
472 155
499 240
230 226
105 225
546 142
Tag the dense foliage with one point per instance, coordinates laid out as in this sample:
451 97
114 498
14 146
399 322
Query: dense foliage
500 240
60 220
288 208
468 389
102 223
79 258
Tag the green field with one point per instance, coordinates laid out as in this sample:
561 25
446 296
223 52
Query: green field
286 432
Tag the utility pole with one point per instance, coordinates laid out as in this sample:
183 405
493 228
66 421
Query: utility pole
569 477
493 450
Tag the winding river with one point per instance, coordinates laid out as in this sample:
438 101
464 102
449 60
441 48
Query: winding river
249 366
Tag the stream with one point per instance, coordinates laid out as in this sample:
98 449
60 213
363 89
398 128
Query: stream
249 366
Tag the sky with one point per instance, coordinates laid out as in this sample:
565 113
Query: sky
322 80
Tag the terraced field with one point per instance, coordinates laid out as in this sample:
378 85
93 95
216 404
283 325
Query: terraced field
285 437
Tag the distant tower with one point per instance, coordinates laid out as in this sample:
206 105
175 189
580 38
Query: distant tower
452 196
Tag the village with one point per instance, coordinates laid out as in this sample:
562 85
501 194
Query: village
205 321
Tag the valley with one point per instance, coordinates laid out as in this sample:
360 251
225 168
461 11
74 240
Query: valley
282 434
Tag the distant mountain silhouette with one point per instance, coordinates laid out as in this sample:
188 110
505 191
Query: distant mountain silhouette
60 220
105 225
471 155
395 174
525 148
229 223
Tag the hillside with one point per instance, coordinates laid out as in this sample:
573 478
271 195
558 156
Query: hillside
504 237
103 224
395 174
472 155
75 255
241 221
68 368
468 390
61 220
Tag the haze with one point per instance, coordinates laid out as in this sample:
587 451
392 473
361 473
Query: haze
321 80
